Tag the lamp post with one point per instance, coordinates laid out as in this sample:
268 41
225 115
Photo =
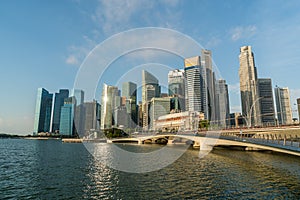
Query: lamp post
249 117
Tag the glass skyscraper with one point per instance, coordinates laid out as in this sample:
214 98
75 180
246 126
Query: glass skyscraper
176 84
266 101
67 126
42 111
109 94
58 103
283 105
129 91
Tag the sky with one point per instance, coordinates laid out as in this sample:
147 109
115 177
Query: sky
43 43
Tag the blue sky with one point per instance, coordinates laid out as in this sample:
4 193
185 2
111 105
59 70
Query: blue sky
43 43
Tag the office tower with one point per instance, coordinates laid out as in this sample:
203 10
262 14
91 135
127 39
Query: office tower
222 101
192 83
248 87
79 113
109 94
298 105
58 103
67 125
283 106
129 90
266 101
208 86
79 96
150 89
92 116
159 106
43 109
176 84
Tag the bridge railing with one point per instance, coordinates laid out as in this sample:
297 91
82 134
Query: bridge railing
273 140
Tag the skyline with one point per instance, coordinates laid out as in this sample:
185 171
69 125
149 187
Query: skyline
43 44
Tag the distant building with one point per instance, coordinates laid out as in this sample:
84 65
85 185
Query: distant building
92 117
79 96
249 87
183 121
58 103
129 92
150 89
192 85
236 120
43 110
159 106
266 101
283 106
67 125
109 94
298 106
222 103
176 84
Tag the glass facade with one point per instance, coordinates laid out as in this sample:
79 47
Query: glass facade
67 126
58 103
42 111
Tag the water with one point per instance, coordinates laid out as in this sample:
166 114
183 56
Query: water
35 169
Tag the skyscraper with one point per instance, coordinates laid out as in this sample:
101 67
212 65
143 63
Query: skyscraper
222 107
248 87
109 94
43 109
150 89
67 125
176 84
266 101
92 116
129 92
79 96
298 104
58 103
79 111
283 106
208 86
192 85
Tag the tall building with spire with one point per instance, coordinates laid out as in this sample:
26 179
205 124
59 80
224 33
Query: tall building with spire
150 89
248 87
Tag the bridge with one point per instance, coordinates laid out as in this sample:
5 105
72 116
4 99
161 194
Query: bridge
214 139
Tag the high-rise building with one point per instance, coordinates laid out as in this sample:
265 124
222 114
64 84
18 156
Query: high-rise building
208 86
43 110
192 83
248 87
266 101
109 94
92 116
79 96
222 101
79 113
159 106
67 125
176 84
58 103
298 104
150 89
129 91
283 106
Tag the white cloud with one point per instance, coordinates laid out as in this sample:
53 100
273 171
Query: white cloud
72 60
241 32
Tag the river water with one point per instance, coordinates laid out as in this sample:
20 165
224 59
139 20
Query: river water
50 169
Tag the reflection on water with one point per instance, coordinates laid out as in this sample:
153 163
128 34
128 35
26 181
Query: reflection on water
53 170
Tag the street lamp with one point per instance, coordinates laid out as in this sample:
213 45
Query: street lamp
249 119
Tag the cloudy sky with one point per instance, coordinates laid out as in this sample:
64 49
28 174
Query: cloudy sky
43 43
